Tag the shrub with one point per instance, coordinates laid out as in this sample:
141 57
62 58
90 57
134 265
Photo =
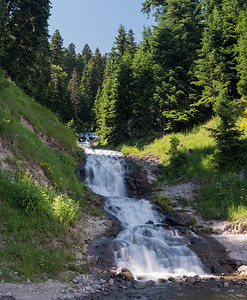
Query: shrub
65 209
224 196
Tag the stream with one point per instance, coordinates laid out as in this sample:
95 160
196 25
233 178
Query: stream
144 246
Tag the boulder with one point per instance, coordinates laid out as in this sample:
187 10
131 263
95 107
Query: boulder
125 274
179 218
242 269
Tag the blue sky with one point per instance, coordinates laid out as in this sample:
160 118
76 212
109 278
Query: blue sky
96 22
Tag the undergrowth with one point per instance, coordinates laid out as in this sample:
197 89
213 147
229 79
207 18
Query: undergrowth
36 217
191 156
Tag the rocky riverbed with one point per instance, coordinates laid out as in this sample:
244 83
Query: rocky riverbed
104 283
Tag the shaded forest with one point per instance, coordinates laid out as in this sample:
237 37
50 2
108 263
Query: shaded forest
190 66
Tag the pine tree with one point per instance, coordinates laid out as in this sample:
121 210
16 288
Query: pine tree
75 96
120 43
113 105
242 52
131 44
143 68
174 46
92 78
26 50
3 28
70 61
217 74
60 101
57 50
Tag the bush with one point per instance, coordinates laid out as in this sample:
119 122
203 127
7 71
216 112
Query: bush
65 209
223 197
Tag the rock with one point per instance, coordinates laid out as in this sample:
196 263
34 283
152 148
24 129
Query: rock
149 222
217 231
78 280
7 298
174 203
242 269
125 274
179 218
226 284
139 286
111 281
28 281
97 287
92 260
78 256
190 280
162 280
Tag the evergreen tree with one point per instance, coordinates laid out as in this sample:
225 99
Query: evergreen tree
217 73
113 105
70 61
120 42
3 28
75 97
86 54
144 87
57 50
131 44
92 78
26 50
242 52
60 101
174 44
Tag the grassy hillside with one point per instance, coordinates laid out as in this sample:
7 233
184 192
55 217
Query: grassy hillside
190 156
40 196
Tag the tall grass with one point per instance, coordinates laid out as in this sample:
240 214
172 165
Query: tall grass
35 235
222 194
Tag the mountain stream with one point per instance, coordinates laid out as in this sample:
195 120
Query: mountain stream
144 246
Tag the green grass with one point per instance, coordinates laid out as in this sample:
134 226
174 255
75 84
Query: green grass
222 194
36 239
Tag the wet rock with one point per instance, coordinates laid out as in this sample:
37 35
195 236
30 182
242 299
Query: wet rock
125 274
242 269
191 280
7 298
162 280
213 255
139 286
179 218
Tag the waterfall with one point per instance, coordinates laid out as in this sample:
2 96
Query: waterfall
146 248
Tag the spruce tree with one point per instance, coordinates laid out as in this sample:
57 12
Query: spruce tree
174 44
92 78
70 62
217 73
143 68
26 51
57 50
75 96
131 44
120 43
241 52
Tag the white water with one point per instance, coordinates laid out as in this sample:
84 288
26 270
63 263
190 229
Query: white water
149 251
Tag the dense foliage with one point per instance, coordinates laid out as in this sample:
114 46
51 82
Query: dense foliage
190 66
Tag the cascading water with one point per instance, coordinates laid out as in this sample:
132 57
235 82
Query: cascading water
147 250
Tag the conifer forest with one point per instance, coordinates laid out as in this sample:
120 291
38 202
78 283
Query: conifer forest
190 66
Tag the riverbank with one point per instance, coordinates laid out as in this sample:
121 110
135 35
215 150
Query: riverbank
107 284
